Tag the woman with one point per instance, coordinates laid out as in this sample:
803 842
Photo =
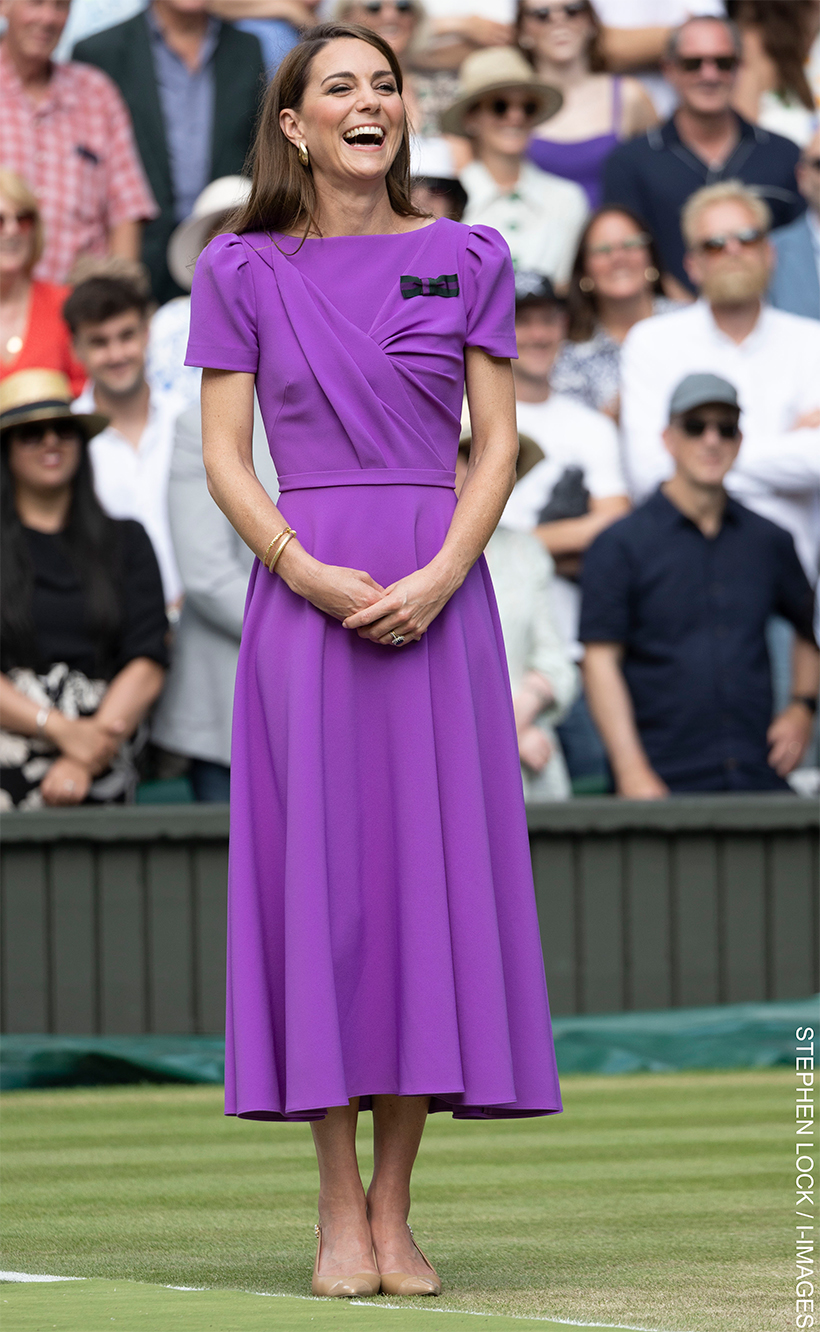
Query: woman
772 89
615 282
83 617
374 962
34 332
562 43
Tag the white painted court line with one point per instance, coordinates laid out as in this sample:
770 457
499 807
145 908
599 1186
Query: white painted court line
34 1276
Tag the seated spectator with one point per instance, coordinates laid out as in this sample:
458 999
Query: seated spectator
615 283
65 130
31 313
193 716
165 367
772 357
436 187
544 681
193 85
131 457
772 89
675 605
795 284
539 215
563 44
570 496
705 140
83 645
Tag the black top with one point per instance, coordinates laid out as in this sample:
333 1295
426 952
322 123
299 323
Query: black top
59 612
691 612
655 174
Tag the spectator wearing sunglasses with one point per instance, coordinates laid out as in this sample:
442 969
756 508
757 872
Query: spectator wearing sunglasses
539 215
796 282
563 44
704 142
676 600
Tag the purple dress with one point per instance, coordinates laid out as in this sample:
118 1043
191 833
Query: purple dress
581 160
382 932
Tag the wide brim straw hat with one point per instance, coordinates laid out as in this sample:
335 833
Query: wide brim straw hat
191 236
497 69
43 395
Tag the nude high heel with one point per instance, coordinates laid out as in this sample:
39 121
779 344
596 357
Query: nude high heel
404 1283
345 1287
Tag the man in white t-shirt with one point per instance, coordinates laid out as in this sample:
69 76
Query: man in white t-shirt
576 491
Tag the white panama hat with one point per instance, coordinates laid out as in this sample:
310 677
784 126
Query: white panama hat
190 237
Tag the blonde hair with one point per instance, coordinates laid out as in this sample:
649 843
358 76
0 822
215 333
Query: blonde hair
724 191
19 192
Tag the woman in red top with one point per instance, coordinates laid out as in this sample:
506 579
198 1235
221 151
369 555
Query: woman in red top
34 335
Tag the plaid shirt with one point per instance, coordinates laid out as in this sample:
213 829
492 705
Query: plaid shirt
76 150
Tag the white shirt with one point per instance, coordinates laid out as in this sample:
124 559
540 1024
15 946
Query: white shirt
571 435
776 371
540 218
133 483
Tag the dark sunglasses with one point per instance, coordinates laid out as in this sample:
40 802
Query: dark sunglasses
812 162
717 244
376 6
25 220
546 13
691 64
501 105
34 432
694 427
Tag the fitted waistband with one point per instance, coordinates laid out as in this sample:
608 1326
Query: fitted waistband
374 476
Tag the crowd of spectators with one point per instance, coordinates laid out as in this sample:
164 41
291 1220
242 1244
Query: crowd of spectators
655 170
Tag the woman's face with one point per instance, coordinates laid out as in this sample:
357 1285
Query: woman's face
502 122
44 456
352 116
617 257
16 237
557 33
394 20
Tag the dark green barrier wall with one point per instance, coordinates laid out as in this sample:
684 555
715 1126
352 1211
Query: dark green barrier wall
113 920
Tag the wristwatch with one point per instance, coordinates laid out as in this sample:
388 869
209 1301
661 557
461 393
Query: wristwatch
808 701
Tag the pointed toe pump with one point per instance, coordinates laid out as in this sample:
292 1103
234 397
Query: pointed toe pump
342 1287
404 1283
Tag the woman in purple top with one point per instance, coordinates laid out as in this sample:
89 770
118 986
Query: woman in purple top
383 942
562 43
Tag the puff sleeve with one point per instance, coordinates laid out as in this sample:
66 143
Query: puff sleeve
223 309
489 293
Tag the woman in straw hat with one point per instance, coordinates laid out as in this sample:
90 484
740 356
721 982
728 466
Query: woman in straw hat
384 950
499 102
83 618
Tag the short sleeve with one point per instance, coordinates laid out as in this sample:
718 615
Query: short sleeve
144 627
223 309
795 598
605 591
489 293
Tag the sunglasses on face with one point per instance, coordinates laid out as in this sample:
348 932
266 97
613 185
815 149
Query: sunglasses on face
633 243
24 220
717 244
811 162
550 13
499 107
695 427
692 64
376 6
33 434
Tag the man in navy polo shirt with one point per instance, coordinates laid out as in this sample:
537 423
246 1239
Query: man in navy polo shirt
675 602
704 142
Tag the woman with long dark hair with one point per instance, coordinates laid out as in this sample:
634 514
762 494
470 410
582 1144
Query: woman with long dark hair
772 89
83 620
384 950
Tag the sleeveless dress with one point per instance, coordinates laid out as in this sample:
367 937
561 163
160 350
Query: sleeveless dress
581 160
382 928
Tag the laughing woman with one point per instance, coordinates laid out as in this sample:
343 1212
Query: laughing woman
384 950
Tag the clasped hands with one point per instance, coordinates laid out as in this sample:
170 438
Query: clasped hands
87 747
406 608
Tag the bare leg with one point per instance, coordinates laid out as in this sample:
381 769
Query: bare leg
346 1242
398 1123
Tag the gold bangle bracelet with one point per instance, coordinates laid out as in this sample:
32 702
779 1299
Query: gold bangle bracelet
288 536
271 542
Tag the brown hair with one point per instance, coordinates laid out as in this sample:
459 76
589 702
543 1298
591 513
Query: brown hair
784 31
18 192
100 298
283 195
582 307
595 51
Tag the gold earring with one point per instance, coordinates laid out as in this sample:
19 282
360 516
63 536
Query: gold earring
651 273
586 284
304 155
